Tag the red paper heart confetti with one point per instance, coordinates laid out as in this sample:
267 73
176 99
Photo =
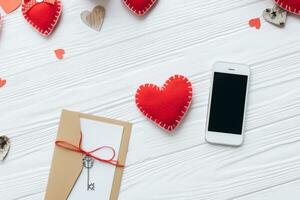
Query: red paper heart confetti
255 22
9 6
59 53
2 82
165 106
292 6
43 16
139 7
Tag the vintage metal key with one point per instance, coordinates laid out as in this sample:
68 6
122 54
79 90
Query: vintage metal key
88 163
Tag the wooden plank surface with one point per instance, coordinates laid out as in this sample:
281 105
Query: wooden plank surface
101 71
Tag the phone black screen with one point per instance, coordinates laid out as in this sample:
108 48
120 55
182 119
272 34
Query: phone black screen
227 103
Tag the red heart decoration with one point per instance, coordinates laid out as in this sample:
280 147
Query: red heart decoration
165 106
139 7
10 6
43 16
59 53
292 6
255 22
2 82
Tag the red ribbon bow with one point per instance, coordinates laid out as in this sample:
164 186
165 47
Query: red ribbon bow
71 147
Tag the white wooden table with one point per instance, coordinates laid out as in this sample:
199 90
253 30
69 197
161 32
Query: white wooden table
101 72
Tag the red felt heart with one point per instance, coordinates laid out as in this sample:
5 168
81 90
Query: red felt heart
139 7
165 106
292 6
43 16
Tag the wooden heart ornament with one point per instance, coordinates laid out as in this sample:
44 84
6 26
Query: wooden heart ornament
275 15
139 7
43 15
292 6
95 18
166 106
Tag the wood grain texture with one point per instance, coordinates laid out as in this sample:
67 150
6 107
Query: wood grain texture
101 72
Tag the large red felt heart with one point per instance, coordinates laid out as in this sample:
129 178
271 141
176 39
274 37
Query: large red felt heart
292 6
139 7
43 16
165 106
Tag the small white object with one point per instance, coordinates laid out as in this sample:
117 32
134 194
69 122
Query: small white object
223 136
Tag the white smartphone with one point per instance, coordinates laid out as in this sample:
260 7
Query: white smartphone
227 104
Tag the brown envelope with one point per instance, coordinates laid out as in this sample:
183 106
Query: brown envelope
67 165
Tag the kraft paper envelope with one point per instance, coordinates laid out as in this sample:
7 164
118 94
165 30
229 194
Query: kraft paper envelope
67 165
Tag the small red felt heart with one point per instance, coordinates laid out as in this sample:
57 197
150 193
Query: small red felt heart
43 16
139 7
165 106
292 6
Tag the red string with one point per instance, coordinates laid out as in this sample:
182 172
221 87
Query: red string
71 147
